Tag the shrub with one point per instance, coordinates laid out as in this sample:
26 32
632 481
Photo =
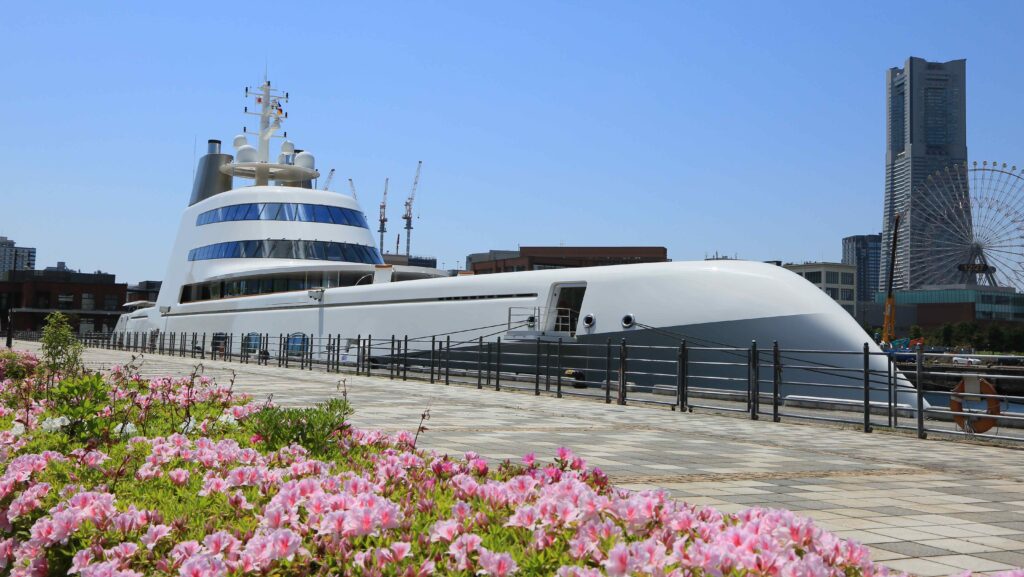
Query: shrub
62 352
314 428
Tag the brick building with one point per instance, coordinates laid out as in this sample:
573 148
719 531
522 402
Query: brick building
92 301
547 257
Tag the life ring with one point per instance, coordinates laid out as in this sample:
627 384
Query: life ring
970 423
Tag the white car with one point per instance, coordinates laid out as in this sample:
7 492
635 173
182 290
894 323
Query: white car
966 361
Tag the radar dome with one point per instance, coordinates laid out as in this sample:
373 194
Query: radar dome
240 141
305 160
246 153
287 147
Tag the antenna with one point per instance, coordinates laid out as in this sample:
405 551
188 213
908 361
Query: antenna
351 185
408 208
327 181
398 242
384 216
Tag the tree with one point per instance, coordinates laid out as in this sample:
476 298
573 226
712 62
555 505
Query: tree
996 337
915 332
947 335
62 353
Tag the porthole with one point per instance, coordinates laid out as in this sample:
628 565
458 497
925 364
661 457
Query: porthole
628 321
588 320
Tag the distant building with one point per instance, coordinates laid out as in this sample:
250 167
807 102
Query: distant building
401 259
92 301
926 131
548 257
936 306
864 252
15 257
838 280
146 290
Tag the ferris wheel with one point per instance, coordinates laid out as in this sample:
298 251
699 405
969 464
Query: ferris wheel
967 227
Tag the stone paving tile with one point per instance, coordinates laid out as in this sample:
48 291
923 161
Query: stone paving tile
930 507
922 567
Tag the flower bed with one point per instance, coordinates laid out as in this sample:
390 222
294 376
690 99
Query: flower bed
117 476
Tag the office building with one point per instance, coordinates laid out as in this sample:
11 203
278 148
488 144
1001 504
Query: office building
863 251
838 280
926 131
92 301
15 257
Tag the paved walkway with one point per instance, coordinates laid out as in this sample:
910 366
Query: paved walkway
927 507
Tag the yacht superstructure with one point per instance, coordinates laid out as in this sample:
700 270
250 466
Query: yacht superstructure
279 256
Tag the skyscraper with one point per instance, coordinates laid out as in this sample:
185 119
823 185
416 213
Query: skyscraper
15 257
864 251
926 131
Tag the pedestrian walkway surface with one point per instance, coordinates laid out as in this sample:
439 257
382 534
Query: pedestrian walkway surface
928 507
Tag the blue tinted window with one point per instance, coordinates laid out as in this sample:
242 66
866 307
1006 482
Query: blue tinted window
289 211
270 211
291 249
322 213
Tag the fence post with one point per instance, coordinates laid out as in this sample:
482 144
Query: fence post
488 364
682 378
497 367
776 380
480 363
755 389
867 389
894 410
921 433
547 367
622 373
608 372
433 347
558 371
405 358
203 349
447 359
391 360
369 354
536 375
359 354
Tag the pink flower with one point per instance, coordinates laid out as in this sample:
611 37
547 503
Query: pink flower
154 534
461 548
529 459
617 563
178 476
400 550
497 564
444 531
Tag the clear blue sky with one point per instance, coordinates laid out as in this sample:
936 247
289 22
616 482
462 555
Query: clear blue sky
750 128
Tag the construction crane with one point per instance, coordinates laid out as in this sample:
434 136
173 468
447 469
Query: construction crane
352 185
889 321
384 215
327 181
408 208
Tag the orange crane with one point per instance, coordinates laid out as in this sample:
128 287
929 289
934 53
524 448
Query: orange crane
889 322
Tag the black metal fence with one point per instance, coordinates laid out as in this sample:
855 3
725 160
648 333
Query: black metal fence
761 382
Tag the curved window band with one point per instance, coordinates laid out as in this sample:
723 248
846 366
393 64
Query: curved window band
293 249
284 211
